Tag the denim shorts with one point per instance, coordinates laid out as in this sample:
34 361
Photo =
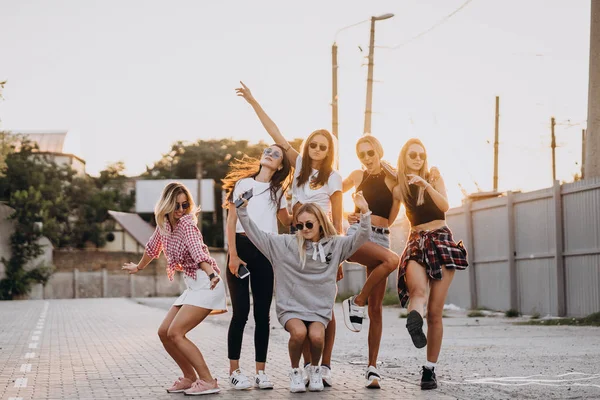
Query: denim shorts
380 238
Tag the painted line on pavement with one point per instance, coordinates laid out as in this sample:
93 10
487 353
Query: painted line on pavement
25 368
21 383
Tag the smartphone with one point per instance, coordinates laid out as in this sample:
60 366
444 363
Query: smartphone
247 195
243 271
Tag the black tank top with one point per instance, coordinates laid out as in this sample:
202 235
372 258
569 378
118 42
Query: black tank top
424 213
377 194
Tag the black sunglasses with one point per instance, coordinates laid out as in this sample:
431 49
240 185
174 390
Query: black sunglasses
413 155
271 153
184 206
300 226
363 154
322 147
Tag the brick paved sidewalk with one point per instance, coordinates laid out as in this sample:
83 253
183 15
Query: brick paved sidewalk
108 348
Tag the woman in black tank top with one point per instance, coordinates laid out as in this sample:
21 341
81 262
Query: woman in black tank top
431 256
376 185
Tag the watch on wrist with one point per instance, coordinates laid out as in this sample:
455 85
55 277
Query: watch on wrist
211 276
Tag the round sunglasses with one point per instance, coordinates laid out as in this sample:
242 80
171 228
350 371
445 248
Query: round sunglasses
322 147
413 155
184 206
271 153
363 154
300 226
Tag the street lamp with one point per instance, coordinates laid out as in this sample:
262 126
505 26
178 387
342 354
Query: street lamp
369 102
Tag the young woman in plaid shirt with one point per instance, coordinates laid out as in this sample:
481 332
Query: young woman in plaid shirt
431 256
178 236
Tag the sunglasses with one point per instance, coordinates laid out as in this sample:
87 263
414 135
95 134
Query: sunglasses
322 147
271 153
413 155
363 154
309 225
183 206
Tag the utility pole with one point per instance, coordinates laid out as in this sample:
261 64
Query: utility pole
553 146
496 135
369 105
199 175
592 158
334 91
583 137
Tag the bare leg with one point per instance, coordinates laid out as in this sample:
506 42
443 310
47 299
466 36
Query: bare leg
187 319
306 352
384 262
435 309
298 333
180 359
376 319
316 336
329 341
416 282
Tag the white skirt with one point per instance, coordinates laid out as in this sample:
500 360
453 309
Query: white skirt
198 294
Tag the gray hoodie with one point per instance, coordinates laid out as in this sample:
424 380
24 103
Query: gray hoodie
307 293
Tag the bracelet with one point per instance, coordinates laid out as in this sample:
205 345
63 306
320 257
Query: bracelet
288 147
211 276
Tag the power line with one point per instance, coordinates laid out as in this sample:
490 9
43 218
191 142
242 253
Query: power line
437 24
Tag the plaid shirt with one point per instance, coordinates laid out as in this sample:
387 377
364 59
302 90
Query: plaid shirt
433 250
183 247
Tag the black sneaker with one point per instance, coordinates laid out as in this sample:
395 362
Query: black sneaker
414 324
428 380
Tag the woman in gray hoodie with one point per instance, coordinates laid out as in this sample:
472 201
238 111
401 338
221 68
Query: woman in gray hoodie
305 266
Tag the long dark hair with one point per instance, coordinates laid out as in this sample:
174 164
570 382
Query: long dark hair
249 167
327 164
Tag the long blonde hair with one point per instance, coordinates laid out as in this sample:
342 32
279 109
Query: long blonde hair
403 182
167 202
327 228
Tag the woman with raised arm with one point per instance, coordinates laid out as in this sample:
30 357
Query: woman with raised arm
268 178
376 181
178 236
431 255
315 181
305 266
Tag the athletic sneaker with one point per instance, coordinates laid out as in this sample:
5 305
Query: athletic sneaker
353 314
326 375
200 387
239 381
428 380
414 324
373 378
306 374
316 380
180 385
261 381
296 382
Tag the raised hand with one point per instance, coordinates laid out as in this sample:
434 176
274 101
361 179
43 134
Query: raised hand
434 174
417 180
132 268
245 93
360 202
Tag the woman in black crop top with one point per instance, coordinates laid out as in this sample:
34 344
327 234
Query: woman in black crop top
376 185
431 256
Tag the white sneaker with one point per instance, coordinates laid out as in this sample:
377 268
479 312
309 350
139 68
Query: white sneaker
296 382
239 381
316 380
261 381
326 375
353 314
306 374
373 378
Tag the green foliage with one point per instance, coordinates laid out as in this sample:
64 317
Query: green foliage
590 320
511 313
391 298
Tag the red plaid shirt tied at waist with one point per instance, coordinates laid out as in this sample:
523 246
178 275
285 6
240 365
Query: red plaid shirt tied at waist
183 247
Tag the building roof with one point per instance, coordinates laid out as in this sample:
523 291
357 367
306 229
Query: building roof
48 141
134 225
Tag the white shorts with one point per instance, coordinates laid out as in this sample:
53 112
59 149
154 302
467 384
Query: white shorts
198 294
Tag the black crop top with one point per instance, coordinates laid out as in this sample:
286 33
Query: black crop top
377 194
424 213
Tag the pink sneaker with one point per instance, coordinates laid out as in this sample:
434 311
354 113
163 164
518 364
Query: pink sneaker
200 387
180 385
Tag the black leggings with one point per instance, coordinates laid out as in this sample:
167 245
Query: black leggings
261 281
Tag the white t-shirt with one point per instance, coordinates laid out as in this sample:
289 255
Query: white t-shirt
260 207
320 195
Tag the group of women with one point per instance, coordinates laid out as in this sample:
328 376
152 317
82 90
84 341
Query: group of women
304 265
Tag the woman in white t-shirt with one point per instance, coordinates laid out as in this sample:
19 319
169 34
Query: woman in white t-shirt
268 178
315 181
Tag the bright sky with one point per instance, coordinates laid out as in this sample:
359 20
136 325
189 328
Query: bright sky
128 78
